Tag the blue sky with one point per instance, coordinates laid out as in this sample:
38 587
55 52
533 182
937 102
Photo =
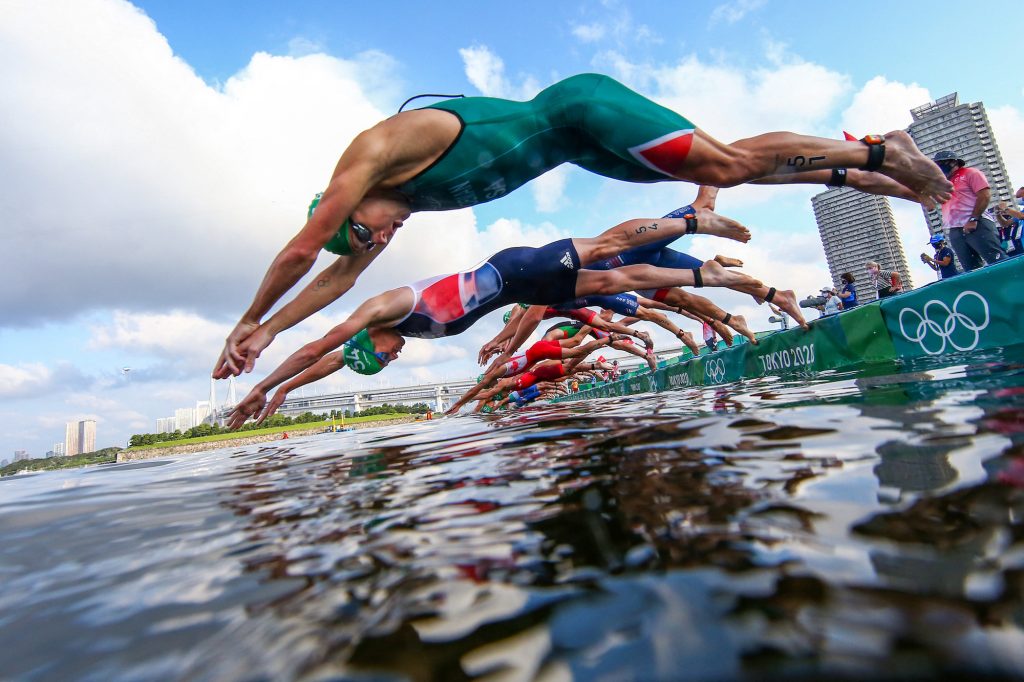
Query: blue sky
158 154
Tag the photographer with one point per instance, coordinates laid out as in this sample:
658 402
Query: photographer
943 260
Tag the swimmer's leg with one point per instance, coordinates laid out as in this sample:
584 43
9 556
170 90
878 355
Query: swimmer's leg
638 233
632 277
783 156
624 135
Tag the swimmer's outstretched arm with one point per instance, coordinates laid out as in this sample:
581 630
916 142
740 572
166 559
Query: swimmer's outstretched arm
381 310
507 332
528 322
358 171
327 365
864 181
329 286
490 377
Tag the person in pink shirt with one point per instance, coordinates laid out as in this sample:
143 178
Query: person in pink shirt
973 236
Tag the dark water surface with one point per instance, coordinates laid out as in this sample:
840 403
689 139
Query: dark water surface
858 525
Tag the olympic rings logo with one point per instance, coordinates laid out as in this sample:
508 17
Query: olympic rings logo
714 370
944 328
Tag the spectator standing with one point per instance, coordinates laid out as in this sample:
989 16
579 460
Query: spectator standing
972 235
886 282
1011 222
848 292
710 337
942 262
832 303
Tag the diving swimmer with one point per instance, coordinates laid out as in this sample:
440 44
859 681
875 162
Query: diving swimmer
464 152
450 304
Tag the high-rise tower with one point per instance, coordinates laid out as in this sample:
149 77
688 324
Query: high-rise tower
856 227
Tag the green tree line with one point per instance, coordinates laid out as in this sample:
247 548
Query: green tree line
60 462
274 420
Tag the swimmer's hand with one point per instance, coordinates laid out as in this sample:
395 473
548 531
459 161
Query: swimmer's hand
502 358
232 361
250 405
255 344
279 397
487 350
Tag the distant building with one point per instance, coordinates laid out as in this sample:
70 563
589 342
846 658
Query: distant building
58 449
20 455
856 227
166 425
964 129
79 437
87 435
71 439
184 418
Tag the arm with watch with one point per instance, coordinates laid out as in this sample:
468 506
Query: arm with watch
981 202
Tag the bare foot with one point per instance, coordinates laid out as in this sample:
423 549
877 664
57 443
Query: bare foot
728 262
714 275
652 360
723 331
709 222
905 164
687 339
706 197
873 183
787 301
646 338
739 323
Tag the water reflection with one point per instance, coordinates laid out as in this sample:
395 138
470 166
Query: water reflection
860 524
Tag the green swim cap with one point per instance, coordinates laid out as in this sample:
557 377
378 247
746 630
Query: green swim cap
359 356
338 244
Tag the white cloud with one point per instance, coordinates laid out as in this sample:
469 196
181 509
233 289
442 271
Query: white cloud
186 339
589 33
549 189
486 71
730 102
1008 125
160 190
882 105
731 12
23 380
617 26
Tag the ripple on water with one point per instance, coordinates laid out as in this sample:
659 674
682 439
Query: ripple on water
861 524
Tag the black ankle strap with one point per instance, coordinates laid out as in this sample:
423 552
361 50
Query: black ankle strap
691 223
876 152
698 280
838 178
771 294
725 320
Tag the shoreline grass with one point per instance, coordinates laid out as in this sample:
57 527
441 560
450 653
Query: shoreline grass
309 426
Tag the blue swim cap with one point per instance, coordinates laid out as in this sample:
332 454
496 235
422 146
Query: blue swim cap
936 238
